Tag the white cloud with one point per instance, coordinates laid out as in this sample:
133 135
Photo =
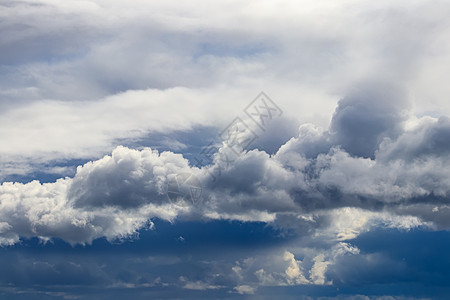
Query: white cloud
279 267
201 286
221 54
347 223
48 210
294 274
318 270
245 289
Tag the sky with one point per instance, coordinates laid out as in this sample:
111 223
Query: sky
224 149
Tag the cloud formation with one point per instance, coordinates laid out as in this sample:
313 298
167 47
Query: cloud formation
96 74
312 176
99 97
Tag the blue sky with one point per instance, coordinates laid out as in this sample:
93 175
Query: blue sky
224 150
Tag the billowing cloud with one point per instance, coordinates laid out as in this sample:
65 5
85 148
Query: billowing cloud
119 194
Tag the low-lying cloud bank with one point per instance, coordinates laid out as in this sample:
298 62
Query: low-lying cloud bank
376 164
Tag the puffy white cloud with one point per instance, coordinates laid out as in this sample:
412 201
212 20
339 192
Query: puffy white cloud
280 267
60 210
294 274
127 179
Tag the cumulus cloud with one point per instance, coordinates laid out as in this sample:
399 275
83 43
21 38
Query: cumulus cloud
294 272
284 268
126 179
364 118
59 210
118 194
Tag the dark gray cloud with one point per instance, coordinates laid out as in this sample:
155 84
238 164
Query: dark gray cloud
432 138
372 112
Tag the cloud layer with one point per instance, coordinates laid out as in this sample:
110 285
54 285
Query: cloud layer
313 175
106 107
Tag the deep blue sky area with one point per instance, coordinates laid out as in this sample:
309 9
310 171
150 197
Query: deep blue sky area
90 271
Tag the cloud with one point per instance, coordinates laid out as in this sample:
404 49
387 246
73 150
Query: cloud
126 179
53 210
217 270
91 49
78 79
282 268
294 272
370 114
429 137
96 77
244 289
115 196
